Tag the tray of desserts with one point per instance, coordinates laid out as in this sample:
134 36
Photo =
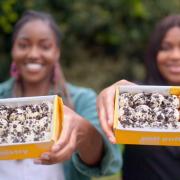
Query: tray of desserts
147 115
29 126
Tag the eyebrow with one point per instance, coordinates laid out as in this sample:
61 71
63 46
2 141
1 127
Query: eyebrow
22 37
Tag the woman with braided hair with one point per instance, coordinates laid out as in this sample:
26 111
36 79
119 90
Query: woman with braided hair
82 150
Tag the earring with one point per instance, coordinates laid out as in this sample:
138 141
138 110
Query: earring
56 73
13 71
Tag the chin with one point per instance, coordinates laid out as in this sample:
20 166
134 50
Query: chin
175 82
32 79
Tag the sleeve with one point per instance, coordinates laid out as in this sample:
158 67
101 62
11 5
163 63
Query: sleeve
85 104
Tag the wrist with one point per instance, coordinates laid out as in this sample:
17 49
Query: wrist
83 134
90 144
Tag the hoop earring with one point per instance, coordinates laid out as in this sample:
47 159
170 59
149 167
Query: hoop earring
13 71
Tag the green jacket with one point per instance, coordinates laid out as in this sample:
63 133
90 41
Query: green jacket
85 104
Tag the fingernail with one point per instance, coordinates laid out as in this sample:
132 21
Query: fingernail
45 156
110 122
37 161
112 139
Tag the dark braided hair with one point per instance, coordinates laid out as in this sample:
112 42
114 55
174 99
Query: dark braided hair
29 16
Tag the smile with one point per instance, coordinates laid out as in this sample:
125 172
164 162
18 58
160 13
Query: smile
174 69
33 66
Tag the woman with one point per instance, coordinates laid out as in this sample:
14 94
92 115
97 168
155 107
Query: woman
163 68
81 151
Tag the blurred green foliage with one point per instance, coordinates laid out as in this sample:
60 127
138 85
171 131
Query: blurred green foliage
102 40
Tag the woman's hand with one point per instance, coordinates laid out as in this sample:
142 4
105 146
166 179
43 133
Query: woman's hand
78 135
105 107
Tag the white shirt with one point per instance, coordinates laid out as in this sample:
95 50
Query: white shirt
27 170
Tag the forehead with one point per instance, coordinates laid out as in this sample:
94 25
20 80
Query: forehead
173 34
36 29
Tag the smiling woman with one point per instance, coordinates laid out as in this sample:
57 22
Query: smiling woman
35 53
168 57
82 151
163 68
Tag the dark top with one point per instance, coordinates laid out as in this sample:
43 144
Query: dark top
143 162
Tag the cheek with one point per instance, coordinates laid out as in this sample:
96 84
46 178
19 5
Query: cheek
17 55
161 59
51 57
161 64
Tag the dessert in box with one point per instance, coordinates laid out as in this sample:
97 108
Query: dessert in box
147 115
29 126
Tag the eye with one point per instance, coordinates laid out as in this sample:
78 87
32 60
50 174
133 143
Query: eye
45 46
166 47
22 45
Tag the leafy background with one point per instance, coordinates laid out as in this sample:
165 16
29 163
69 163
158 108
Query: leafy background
102 40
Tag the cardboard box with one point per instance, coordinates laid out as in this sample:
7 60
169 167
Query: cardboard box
36 148
145 136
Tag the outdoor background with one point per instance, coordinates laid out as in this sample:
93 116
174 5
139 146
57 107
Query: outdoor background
102 40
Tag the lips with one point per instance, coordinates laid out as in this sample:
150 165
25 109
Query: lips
174 69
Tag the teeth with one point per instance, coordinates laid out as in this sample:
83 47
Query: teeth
33 66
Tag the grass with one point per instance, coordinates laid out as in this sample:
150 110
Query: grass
114 177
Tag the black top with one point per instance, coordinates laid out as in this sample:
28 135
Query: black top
142 162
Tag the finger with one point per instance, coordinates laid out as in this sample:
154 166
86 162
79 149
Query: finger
104 121
44 159
124 82
109 110
42 162
66 153
64 138
101 113
109 106
60 156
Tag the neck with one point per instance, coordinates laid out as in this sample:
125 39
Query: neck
33 89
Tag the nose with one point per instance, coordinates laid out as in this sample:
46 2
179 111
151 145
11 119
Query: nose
33 53
175 54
